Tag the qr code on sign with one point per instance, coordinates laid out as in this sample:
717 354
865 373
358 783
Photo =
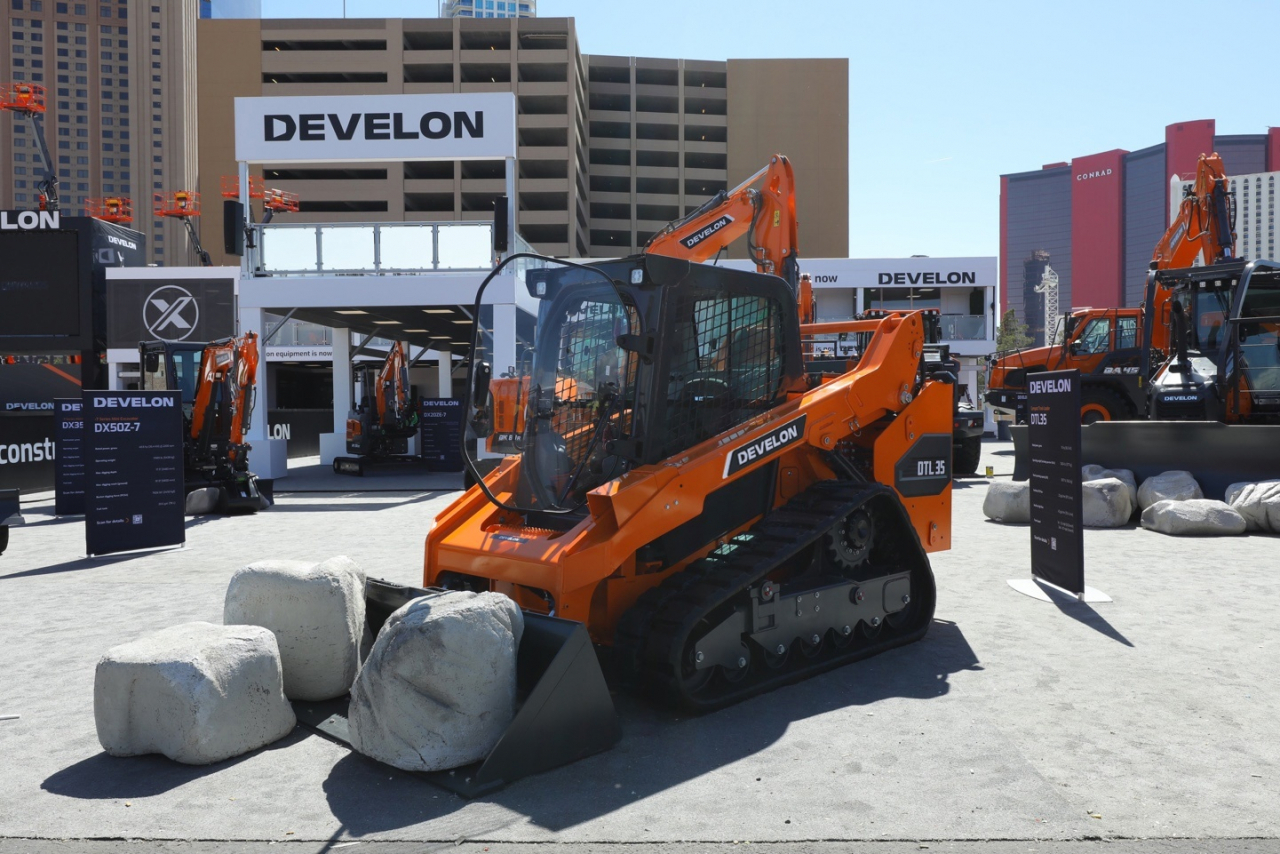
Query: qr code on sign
1053 542
137 518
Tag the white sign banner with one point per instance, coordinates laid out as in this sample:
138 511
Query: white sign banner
300 353
352 128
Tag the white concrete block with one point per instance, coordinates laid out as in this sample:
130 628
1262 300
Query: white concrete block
1258 503
198 693
1169 486
1193 517
1008 501
1091 472
439 687
316 612
1106 503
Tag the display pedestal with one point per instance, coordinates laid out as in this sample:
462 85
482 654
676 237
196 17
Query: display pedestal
332 445
1037 589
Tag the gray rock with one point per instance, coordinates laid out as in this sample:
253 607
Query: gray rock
439 686
316 612
1106 503
198 693
203 501
1193 517
1091 472
1258 503
1008 501
1169 486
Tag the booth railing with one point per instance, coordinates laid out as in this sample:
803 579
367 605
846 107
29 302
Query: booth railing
372 248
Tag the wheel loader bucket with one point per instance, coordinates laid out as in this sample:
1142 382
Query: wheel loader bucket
565 712
1216 454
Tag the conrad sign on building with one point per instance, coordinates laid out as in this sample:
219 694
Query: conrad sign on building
371 128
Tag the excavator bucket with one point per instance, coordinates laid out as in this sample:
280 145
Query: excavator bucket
1216 454
565 712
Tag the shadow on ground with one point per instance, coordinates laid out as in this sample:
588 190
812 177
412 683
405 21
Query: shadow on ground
658 750
104 777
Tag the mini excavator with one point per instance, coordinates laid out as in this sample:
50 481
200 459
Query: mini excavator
379 428
722 518
217 385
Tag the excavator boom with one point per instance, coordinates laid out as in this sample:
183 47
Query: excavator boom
765 215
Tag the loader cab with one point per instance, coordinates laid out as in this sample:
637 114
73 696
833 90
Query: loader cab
632 362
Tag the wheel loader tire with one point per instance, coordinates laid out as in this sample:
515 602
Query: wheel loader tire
4 538
966 456
1100 404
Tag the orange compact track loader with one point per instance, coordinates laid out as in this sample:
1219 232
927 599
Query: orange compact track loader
688 497
720 516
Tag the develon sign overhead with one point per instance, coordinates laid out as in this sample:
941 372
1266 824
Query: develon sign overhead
472 126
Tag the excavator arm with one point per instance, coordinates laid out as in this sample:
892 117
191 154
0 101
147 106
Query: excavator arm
392 393
766 215
1205 228
1204 222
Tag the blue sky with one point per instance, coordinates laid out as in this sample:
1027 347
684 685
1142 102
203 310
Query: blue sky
946 96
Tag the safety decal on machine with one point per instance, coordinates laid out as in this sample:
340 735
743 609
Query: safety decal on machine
702 234
775 440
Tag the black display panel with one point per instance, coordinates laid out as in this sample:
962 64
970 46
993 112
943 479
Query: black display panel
68 464
440 429
1057 506
134 494
26 452
40 288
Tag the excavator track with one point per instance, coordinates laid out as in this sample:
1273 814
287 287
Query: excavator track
785 600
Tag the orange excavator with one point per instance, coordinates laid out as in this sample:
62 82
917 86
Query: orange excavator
1108 345
217 382
379 428
719 515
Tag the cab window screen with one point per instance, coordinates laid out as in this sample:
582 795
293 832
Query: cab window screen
726 366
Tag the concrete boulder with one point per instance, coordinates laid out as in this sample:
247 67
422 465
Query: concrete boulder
1008 501
439 686
197 693
1258 503
1169 486
1091 472
316 612
1106 503
1195 517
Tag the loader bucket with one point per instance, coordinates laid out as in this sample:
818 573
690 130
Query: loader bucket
1216 454
565 711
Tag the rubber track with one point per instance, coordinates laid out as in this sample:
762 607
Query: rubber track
652 636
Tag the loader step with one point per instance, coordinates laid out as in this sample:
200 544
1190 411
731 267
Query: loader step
775 605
